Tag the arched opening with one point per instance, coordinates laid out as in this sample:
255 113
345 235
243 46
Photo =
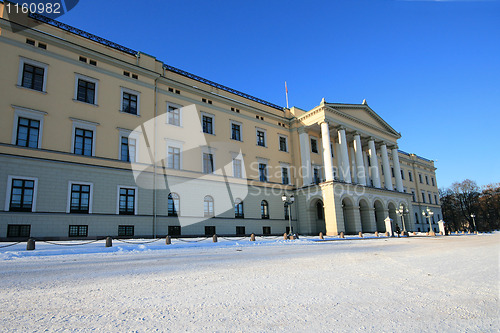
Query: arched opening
379 215
365 211
394 216
349 219
173 204
238 209
208 206
319 214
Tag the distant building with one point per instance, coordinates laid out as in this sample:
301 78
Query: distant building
97 139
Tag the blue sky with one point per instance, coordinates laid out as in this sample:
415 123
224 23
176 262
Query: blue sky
431 69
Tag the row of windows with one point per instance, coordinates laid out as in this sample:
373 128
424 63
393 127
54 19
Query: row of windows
24 230
22 199
425 199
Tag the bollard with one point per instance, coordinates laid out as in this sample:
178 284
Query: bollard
376 233
321 235
214 238
441 233
168 241
432 233
341 234
252 237
387 234
30 244
360 234
414 233
292 237
109 241
285 236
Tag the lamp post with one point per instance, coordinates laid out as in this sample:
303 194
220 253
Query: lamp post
288 200
474 222
402 211
428 214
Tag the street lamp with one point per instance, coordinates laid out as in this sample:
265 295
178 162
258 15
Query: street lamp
474 222
288 200
428 215
402 211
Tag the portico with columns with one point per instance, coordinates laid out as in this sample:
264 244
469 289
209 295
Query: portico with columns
355 146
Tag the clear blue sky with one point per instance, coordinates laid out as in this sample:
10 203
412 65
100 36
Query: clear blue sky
431 69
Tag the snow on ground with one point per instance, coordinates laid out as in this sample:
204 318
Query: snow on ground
448 284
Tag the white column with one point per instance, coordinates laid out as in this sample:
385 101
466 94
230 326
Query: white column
374 163
397 170
367 169
327 151
352 158
338 153
387 167
360 167
305 156
345 156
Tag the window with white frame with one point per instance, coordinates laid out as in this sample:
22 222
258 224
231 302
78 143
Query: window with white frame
174 154
414 195
173 204
130 101
436 199
314 145
32 74
207 122
28 127
235 130
261 137
283 143
208 163
86 89
174 114
83 137
128 145
21 194
237 168
263 171
79 197
285 173
208 206
127 200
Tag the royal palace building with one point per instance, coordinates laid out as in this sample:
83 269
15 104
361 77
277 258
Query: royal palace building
97 139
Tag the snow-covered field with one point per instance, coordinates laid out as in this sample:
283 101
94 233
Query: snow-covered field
446 284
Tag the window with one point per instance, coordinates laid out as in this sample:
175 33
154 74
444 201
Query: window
174 158
285 180
83 142
283 143
317 175
430 198
22 194
238 209
414 195
127 149
314 145
410 176
28 125
264 209
235 131
331 148
208 163
126 230
18 230
173 114
130 101
32 74
420 178
80 195
266 230
240 230
207 122
127 200
416 219
174 230
427 179
436 200
263 172
27 132
209 230
392 172
208 206
261 138
92 62
320 214
237 168
433 182
423 197
78 230
402 174
30 41
173 204
86 91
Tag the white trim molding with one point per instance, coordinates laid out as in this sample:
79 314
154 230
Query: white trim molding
91 195
9 191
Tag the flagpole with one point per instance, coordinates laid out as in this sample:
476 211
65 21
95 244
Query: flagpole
286 90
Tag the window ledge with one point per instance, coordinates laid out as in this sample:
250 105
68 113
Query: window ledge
91 104
38 91
132 114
